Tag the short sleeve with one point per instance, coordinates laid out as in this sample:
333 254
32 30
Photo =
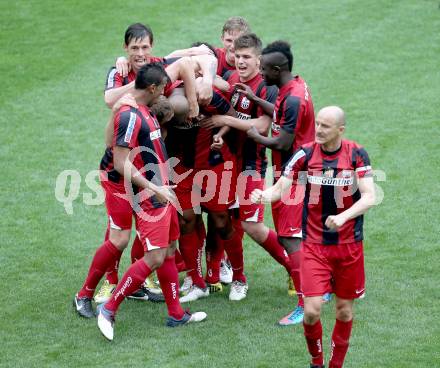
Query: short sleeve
296 164
114 79
290 114
125 129
362 163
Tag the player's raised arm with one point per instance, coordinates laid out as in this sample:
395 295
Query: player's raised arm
183 69
201 49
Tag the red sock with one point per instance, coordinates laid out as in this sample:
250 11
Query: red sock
111 274
112 271
313 334
214 252
104 256
169 282
340 342
201 231
234 249
295 261
180 263
189 248
236 223
137 250
276 250
131 281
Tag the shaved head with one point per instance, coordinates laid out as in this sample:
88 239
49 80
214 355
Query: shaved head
332 113
329 127
180 106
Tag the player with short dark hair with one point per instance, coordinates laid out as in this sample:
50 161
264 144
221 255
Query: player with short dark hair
248 86
293 125
138 45
138 160
339 190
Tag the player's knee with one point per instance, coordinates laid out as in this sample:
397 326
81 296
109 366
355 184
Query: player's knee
312 310
187 223
120 238
171 249
155 258
344 313
223 225
255 231
291 245
311 316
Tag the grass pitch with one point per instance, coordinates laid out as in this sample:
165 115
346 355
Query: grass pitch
379 60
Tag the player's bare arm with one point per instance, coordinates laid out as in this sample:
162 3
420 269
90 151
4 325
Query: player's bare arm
283 142
114 94
267 106
192 51
262 123
206 65
221 84
183 69
367 200
123 165
273 193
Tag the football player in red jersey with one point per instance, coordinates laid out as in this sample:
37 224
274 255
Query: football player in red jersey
233 28
248 86
209 184
137 161
293 125
339 190
138 41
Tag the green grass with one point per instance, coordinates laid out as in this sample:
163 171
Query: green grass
379 60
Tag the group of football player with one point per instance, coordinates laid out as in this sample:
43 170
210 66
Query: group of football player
186 157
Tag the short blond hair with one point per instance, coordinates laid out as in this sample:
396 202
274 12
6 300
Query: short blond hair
236 24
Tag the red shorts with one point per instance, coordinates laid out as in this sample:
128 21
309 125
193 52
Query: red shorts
249 212
157 227
287 213
338 268
213 189
117 203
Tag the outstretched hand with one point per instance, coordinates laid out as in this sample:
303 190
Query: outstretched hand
246 90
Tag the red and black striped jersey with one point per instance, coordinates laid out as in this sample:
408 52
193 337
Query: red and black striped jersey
294 114
222 64
251 155
139 131
331 189
192 144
